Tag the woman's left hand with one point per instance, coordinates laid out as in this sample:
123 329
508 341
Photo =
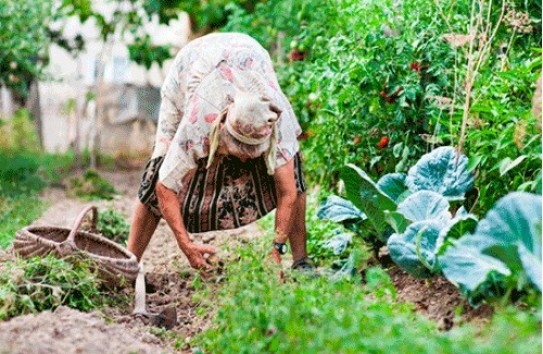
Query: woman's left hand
275 256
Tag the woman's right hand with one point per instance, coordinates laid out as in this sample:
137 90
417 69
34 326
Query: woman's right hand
195 256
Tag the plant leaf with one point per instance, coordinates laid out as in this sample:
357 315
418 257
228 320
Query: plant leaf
507 164
367 197
462 224
338 209
464 265
515 219
443 172
397 221
414 250
393 185
425 205
506 242
339 243
532 265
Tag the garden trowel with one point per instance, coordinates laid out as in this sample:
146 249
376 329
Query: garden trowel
165 319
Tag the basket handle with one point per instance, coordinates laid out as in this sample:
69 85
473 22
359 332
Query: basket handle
79 220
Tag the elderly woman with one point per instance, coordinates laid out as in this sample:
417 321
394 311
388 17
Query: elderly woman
226 151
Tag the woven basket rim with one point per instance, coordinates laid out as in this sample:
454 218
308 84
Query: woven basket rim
100 239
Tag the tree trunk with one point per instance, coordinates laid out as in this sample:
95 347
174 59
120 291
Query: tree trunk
8 106
33 106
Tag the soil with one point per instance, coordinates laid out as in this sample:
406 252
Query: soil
437 299
70 331
169 285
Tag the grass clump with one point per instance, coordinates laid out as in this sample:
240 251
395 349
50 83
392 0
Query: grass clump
91 186
113 225
45 283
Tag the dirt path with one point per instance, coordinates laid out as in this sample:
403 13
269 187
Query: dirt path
169 282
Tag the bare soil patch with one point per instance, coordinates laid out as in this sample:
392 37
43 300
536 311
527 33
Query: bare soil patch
70 331
437 299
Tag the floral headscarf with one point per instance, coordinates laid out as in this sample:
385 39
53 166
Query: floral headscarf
251 119
221 73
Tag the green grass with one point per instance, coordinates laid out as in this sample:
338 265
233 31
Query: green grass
113 225
15 213
260 313
22 176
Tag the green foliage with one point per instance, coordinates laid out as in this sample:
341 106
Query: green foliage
209 15
22 176
205 17
419 196
24 171
377 90
17 212
261 313
320 233
145 53
38 284
502 256
504 143
113 225
91 186
367 196
23 41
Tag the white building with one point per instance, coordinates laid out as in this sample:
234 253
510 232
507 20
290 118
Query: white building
130 92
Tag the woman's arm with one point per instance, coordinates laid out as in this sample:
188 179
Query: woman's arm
286 197
171 211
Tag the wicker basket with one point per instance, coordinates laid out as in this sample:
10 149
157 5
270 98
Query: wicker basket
112 261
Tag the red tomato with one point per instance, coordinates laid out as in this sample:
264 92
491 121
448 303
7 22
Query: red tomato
383 143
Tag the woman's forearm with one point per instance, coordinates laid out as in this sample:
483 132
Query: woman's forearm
169 206
283 217
286 197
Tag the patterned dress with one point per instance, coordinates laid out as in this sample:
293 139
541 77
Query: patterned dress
201 83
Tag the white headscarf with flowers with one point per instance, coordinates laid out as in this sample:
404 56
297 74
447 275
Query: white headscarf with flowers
225 73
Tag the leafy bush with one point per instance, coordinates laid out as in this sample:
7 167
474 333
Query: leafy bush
91 186
24 41
382 89
38 284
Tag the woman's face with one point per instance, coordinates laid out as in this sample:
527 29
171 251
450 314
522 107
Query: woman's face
228 145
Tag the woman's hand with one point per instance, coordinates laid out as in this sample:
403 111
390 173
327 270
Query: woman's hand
195 256
275 256
169 206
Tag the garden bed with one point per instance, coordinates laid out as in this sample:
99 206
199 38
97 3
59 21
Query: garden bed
437 299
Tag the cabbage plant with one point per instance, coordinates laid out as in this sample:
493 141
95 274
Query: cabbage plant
416 248
373 205
504 252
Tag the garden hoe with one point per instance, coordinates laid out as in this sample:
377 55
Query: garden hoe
165 319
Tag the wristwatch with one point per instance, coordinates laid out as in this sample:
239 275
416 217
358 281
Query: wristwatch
280 247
